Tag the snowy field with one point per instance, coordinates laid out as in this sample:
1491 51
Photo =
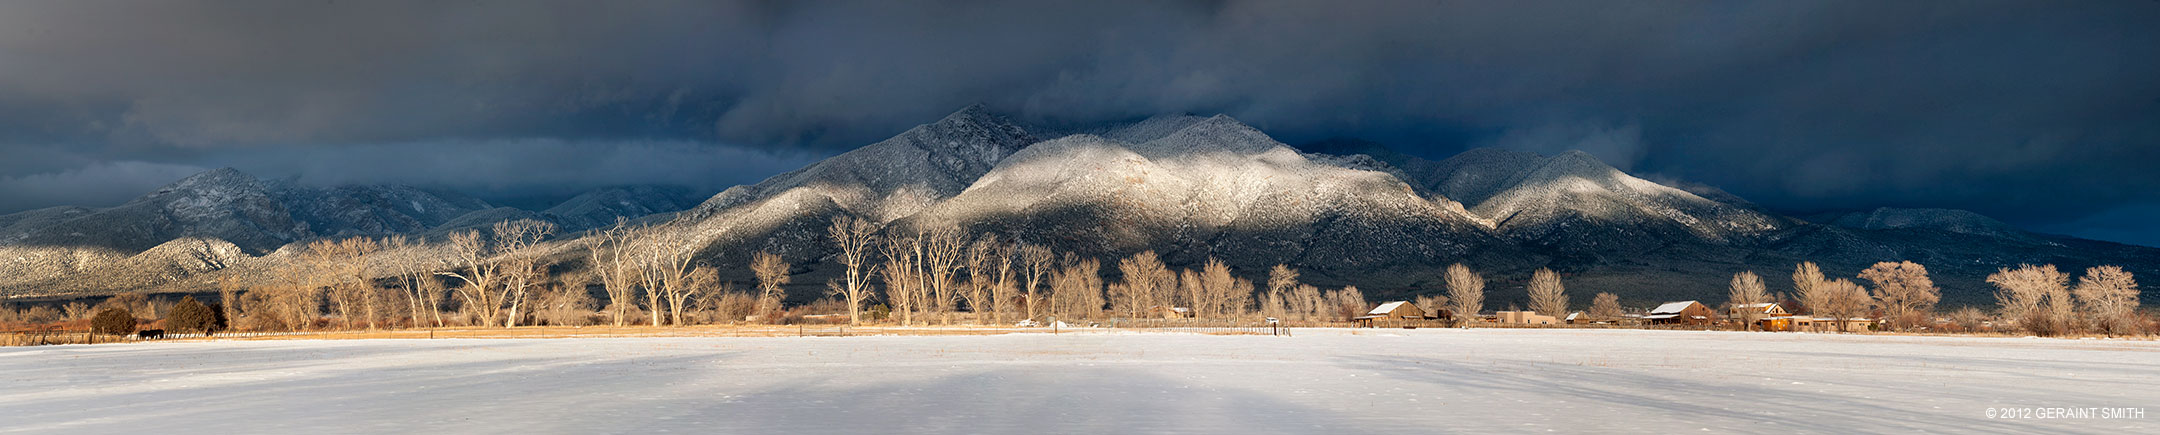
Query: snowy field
1321 381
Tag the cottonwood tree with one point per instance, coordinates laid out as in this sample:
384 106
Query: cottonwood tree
1848 300
1306 302
614 264
1077 288
1346 303
1547 295
1811 289
1189 294
902 273
1466 292
1904 290
772 273
522 268
854 237
2030 296
1146 280
2108 299
1746 293
565 303
1605 306
341 267
1221 293
942 249
700 280
1281 281
1004 288
1035 265
1436 303
408 258
981 259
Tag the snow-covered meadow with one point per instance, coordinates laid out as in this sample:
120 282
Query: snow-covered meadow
1332 381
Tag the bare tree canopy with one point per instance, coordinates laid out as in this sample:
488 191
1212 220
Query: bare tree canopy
1746 293
1547 295
2036 297
1906 293
2108 299
854 237
1466 292
1605 306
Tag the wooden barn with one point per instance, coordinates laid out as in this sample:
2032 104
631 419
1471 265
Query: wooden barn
1681 313
1392 311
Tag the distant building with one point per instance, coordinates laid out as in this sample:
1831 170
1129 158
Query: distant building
1526 318
1169 312
1391 311
1681 313
1767 309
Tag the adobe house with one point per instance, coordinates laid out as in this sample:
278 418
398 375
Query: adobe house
1681 313
1526 318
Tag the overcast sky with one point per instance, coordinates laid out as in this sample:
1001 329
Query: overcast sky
2044 114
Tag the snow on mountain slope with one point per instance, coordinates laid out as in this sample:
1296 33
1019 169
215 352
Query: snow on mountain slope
1577 202
1214 188
895 177
600 207
373 210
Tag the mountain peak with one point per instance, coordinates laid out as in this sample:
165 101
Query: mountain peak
1216 133
219 176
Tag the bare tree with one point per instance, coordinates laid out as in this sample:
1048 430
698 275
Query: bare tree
2033 296
981 261
1605 306
1220 293
1346 303
1547 295
1968 319
1434 303
1467 291
772 273
1845 301
1281 281
854 236
701 279
1077 288
1904 290
942 247
523 269
902 273
613 260
1146 280
409 259
1809 288
1306 302
2108 297
1746 296
1035 264
341 267
565 303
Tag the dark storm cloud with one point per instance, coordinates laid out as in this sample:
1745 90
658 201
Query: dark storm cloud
2041 113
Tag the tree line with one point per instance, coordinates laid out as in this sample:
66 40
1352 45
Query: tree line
505 276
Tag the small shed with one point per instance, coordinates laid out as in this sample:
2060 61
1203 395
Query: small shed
1681 313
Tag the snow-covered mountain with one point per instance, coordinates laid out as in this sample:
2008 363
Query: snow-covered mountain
1188 187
